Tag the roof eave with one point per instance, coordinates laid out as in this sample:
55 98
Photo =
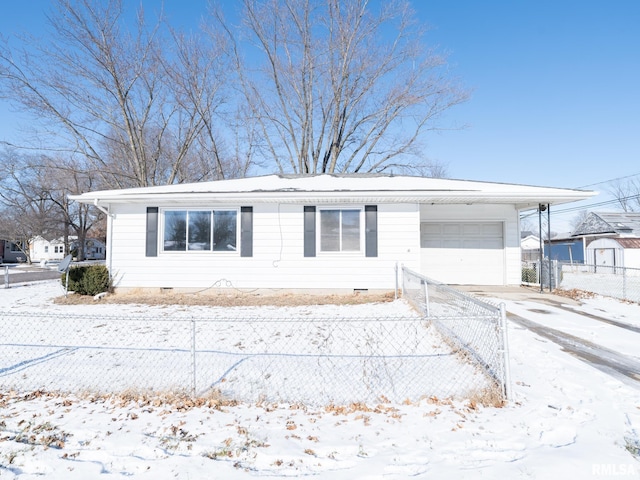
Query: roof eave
521 202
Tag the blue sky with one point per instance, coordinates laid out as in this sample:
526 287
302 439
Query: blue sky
556 87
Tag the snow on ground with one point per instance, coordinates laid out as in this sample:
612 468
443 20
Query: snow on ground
625 312
593 330
244 353
567 420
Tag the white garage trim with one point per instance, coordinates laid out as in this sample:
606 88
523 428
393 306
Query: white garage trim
463 252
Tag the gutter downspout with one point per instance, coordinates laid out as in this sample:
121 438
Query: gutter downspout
549 241
109 235
541 208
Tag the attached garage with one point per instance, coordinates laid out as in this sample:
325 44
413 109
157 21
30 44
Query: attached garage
469 251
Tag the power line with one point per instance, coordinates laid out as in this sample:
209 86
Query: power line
585 207
608 181
600 204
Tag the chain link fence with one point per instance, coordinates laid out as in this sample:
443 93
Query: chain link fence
610 281
475 329
307 360
533 273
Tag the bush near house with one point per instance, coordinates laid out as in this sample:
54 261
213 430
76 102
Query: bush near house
88 280
529 274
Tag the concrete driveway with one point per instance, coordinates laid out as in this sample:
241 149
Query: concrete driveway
612 362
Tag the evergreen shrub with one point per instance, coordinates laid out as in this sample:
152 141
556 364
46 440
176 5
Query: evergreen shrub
88 279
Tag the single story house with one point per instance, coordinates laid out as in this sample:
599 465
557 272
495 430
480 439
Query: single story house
94 249
48 250
611 239
328 232
11 253
54 250
529 246
564 247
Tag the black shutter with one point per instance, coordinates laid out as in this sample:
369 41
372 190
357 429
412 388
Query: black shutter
371 230
152 232
309 231
246 231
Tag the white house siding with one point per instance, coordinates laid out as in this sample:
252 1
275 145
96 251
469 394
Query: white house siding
496 266
632 259
278 260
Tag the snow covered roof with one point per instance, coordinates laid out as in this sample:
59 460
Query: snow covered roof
347 188
616 223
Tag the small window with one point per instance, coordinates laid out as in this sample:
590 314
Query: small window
200 230
46 249
340 230
175 231
225 230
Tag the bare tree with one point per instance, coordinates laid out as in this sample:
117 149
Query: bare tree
627 192
18 229
136 104
34 194
578 218
26 207
341 86
527 224
66 177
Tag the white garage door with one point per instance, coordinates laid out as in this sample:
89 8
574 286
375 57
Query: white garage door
463 253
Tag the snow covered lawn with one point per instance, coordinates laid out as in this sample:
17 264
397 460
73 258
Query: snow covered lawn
318 354
567 420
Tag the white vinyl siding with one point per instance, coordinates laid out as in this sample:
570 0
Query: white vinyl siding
278 260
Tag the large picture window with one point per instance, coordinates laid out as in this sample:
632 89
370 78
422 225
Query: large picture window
340 230
200 230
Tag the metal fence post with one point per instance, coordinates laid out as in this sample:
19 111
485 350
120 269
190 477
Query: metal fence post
426 297
624 283
6 276
505 352
396 293
193 356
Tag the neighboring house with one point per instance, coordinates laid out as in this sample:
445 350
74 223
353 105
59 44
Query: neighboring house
53 250
529 247
331 232
611 239
48 250
565 248
94 249
11 253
